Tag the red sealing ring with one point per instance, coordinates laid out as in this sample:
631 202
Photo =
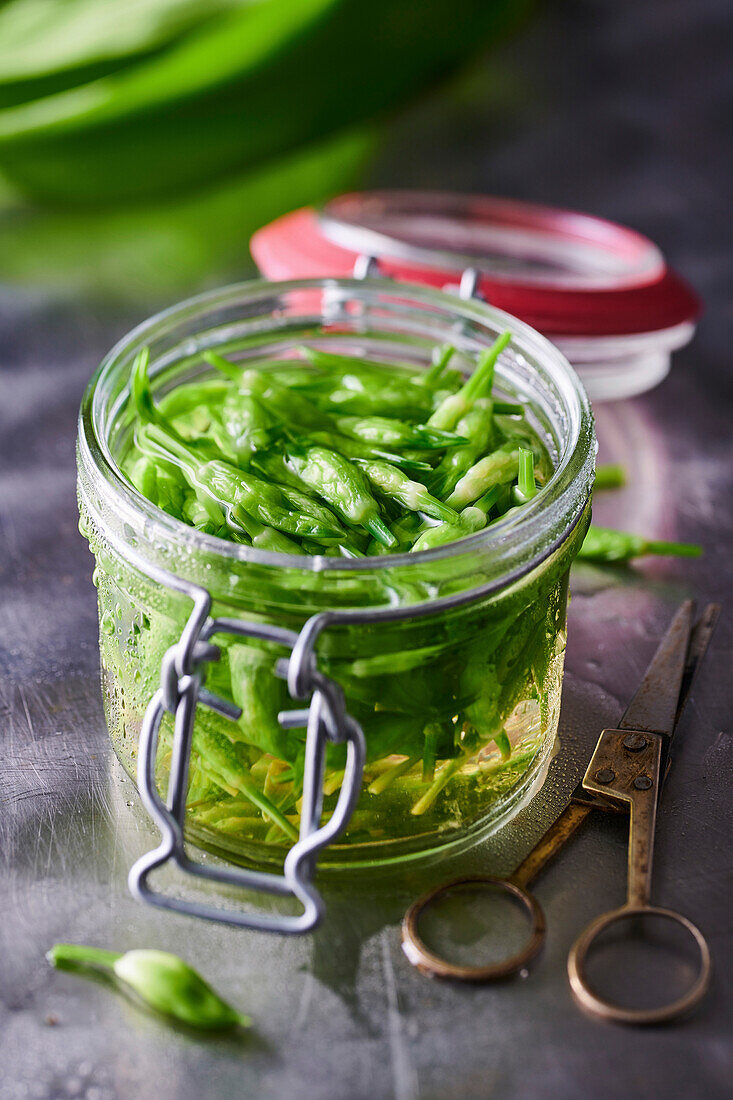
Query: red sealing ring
296 246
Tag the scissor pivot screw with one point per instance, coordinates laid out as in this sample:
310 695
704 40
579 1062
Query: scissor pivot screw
605 775
635 742
642 782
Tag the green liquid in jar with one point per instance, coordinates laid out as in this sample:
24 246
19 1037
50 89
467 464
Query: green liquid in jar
459 709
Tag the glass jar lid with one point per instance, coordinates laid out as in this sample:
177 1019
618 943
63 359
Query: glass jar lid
602 292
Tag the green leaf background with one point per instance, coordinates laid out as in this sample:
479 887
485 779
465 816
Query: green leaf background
143 142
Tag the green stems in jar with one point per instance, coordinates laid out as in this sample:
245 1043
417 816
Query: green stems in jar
526 487
453 407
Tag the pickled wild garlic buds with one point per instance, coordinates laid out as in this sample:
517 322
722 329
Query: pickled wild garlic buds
328 454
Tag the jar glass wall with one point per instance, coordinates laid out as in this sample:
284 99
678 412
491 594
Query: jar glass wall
458 701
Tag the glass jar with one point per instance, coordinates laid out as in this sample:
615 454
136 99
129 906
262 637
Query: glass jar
458 697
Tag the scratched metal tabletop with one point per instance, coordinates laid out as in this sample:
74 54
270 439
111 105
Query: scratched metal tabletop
619 109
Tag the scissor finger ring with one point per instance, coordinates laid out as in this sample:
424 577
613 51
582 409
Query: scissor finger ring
436 966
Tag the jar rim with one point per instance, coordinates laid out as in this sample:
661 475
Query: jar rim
571 477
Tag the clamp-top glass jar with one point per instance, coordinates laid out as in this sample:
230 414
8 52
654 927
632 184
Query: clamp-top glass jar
412 639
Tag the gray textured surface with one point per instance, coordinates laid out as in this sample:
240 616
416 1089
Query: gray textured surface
617 108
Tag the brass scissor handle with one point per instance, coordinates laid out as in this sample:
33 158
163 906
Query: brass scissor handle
432 964
428 962
594 1002
633 778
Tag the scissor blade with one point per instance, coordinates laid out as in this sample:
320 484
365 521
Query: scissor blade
655 704
702 632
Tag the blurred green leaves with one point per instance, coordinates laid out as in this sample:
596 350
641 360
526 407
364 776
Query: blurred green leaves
157 135
235 90
48 45
173 246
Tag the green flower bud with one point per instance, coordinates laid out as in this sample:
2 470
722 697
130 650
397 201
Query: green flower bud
163 981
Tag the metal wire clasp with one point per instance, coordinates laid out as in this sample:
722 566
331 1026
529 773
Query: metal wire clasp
326 719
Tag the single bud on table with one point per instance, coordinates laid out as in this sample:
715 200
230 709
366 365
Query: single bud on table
163 981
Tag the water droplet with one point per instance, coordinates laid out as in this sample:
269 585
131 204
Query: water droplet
107 623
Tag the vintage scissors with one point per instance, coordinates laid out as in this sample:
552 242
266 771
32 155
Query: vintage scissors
626 772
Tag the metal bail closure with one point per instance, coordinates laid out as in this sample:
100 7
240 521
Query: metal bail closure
365 266
469 284
325 719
